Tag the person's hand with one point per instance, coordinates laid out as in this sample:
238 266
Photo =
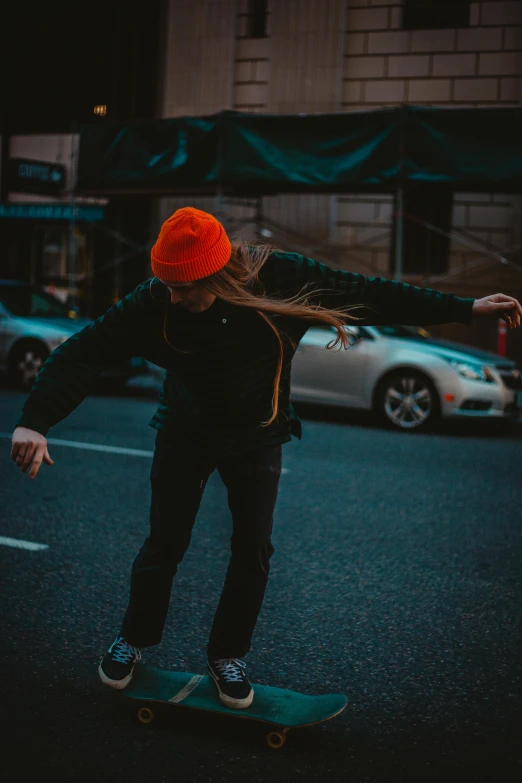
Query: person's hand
499 306
29 446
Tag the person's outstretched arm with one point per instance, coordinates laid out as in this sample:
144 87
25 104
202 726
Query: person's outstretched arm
70 373
384 300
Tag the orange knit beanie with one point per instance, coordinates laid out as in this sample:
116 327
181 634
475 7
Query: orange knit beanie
191 244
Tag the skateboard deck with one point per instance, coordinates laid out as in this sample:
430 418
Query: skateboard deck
278 707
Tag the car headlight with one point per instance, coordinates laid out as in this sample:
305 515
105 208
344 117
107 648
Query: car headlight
472 371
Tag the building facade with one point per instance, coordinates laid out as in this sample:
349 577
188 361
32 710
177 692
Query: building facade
326 56
323 56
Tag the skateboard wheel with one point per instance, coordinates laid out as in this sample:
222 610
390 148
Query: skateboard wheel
145 714
276 739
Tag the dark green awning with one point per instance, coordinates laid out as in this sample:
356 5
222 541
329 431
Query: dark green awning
176 155
479 149
314 153
256 154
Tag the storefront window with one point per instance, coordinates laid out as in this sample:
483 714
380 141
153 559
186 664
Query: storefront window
54 255
56 251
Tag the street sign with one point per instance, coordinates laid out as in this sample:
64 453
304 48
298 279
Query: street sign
35 176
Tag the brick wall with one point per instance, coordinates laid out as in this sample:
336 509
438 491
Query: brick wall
490 220
475 66
363 224
251 64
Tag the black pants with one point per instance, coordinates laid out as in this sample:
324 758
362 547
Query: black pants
178 482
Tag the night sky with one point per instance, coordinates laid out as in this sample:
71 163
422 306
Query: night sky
62 58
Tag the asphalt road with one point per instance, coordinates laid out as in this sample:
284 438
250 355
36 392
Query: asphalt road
396 579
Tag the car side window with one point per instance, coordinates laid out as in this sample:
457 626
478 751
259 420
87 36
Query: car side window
322 334
357 333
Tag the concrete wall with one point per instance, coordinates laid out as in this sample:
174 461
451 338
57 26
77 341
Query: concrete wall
199 57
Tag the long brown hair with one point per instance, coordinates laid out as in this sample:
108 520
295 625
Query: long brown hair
238 283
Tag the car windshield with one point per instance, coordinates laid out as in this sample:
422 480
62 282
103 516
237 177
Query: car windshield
399 330
24 301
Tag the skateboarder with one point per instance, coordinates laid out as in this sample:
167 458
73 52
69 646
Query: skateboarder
224 321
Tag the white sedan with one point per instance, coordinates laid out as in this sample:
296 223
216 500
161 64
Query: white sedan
406 376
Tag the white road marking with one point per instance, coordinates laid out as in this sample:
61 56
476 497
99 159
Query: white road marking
76 444
19 544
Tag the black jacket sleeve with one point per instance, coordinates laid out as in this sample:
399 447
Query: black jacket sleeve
72 369
380 300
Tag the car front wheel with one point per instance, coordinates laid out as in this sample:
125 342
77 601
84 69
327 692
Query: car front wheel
407 400
25 363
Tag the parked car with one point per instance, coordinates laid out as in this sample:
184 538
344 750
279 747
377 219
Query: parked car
405 376
33 323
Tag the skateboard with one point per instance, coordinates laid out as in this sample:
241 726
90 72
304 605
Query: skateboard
277 707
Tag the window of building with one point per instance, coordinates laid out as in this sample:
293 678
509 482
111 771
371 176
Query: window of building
426 225
435 14
54 254
256 19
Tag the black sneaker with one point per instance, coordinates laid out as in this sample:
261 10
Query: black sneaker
117 666
232 683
